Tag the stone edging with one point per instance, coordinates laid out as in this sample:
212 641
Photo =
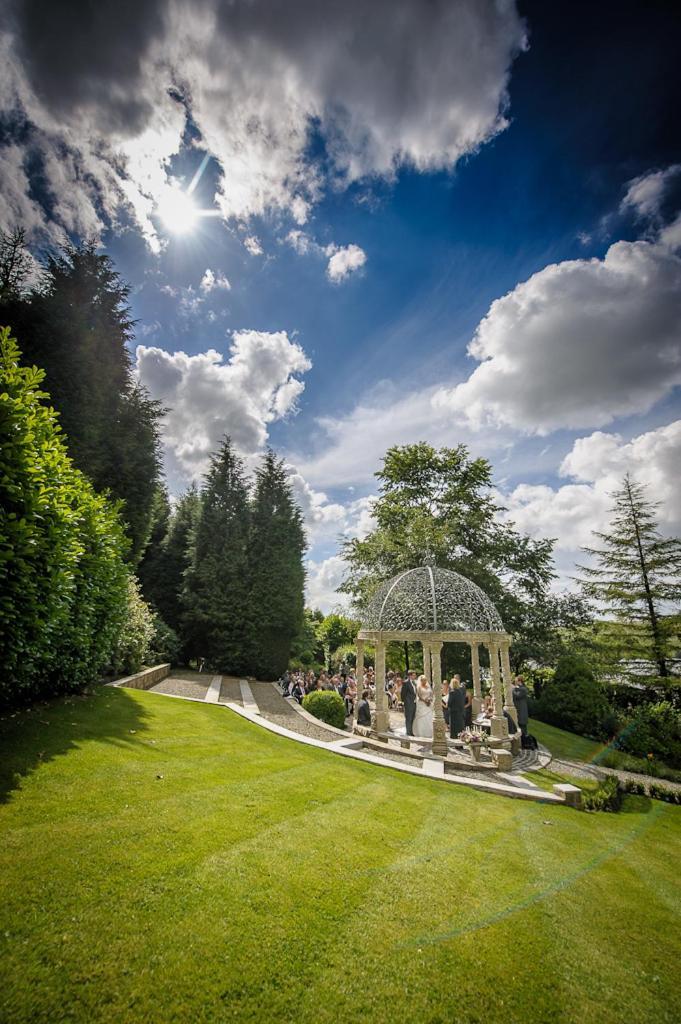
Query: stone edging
144 679
349 744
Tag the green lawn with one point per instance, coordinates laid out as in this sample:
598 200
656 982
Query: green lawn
565 744
261 880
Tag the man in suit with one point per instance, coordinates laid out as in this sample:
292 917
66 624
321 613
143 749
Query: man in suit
456 702
364 711
409 701
520 696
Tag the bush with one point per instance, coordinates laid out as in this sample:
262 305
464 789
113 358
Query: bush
63 580
165 643
653 729
326 705
643 765
136 635
606 797
573 699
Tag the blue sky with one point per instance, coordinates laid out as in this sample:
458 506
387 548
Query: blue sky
373 183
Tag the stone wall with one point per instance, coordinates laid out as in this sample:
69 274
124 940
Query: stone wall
143 680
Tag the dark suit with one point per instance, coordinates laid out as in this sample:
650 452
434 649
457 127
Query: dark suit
520 700
364 713
457 716
409 701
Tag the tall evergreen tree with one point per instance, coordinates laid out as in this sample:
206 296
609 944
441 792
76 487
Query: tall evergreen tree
215 597
276 573
151 569
77 326
637 575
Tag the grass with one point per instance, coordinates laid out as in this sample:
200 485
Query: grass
261 880
564 744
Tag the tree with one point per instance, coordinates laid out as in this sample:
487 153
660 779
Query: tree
77 326
336 631
216 591
63 579
306 648
573 699
275 570
636 575
16 265
437 505
151 570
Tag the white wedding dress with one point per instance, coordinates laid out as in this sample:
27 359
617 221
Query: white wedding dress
423 719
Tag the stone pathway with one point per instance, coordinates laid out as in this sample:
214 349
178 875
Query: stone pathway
597 772
230 691
276 708
174 686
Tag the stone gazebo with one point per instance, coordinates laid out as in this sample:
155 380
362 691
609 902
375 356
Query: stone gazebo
434 607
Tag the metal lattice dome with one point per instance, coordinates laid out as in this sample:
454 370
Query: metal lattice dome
431 599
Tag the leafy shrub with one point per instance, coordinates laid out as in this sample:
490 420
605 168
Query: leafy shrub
642 765
63 580
137 632
606 797
165 643
573 699
653 729
326 705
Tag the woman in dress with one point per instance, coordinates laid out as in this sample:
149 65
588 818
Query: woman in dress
423 719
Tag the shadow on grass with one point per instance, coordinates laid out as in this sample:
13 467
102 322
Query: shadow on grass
634 804
33 736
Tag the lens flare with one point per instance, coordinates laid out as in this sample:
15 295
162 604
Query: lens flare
177 211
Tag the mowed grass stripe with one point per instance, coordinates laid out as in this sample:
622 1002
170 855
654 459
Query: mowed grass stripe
263 880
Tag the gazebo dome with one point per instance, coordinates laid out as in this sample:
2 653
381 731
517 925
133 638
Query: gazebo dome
431 599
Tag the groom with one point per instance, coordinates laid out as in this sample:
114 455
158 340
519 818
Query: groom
409 701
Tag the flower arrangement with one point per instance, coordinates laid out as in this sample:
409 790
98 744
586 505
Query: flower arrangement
470 736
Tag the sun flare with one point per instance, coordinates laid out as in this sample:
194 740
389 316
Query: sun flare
178 211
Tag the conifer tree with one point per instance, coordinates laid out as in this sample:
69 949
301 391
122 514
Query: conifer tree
276 572
216 585
174 559
151 569
637 575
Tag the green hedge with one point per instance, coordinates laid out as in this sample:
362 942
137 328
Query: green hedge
653 731
326 705
63 580
574 700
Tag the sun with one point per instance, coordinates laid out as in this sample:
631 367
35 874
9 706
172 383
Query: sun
177 211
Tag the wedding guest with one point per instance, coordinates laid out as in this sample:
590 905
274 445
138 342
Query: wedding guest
456 702
445 695
520 696
364 711
468 707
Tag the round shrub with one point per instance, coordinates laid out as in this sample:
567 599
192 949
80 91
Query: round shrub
326 705
653 729
63 579
573 699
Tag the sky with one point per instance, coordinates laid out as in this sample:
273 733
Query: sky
348 226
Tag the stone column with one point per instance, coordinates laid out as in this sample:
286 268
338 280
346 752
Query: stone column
359 674
439 725
508 681
382 716
475 668
499 724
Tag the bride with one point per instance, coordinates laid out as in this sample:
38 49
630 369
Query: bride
423 719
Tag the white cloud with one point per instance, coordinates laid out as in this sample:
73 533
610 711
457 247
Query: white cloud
596 466
670 234
323 579
646 193
211 280
344 261
578 344
209 396
420 89
301 242
253 246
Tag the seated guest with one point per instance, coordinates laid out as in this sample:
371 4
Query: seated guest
298 691
364 711
350 695
445 696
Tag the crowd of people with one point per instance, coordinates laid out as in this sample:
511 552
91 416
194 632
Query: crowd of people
412 694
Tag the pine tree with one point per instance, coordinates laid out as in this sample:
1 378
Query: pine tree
277 576
637 575
151 569
216 585
77 326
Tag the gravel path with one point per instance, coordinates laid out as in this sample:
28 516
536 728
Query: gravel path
177 687
230 691
277 709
